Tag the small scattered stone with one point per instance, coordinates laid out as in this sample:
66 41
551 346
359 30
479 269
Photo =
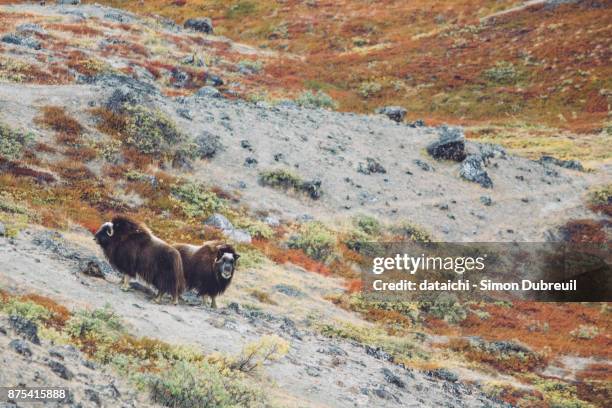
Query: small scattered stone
92 268
288 326
25 328
208 92
371 166
395 113
21 347
208 144
89 364
272 221
24 41
289 290
313 371
214 80
203 25
31 28
184 113
219 221
312 188
485 200
332 350
93 396
378 353
444 374
384 394
568 164
245 144
250 162
180 78
416 124
60 369
392 378
472 170
423 165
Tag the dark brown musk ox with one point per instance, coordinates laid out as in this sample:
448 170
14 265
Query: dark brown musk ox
209 268
133 250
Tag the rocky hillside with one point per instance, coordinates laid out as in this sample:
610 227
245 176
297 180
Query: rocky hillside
103 112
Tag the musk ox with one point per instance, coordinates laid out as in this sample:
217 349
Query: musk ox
134 251
209 268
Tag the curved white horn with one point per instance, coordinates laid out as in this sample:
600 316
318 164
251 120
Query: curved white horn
110 230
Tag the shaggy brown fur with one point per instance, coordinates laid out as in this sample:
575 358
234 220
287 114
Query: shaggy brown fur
209 269
134 251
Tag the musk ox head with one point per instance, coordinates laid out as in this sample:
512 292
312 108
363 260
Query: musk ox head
119 228
225 262
105 234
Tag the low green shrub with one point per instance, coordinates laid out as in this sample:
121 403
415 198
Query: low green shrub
250 257
151 132
502 73
197 201
317 99
13 142
368 224
446 308
257 229
411 232
316 240
26 309
186 385
100 325
286 180
280 178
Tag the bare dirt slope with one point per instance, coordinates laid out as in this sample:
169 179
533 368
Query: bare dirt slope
317 372
528 198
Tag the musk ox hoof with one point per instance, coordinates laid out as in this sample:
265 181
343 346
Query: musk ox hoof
126 288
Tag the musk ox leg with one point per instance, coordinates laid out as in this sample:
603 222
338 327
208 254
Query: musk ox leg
159 296
204 300
213 304
125 285
175 299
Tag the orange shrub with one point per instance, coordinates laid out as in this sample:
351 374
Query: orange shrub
59 314
73 171
57 119
294 256
78 29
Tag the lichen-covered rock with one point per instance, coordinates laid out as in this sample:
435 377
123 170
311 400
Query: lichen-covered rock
208 92
20 347
21 40
450 145
203 25
208 144
219 221
395 113
472 170
371 166
25 328
568 164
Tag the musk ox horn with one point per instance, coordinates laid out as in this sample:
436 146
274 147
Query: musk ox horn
110 231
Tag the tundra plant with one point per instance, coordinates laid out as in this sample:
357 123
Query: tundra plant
12 142
319 99
315 240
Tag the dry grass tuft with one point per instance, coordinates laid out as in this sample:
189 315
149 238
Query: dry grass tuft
57 119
